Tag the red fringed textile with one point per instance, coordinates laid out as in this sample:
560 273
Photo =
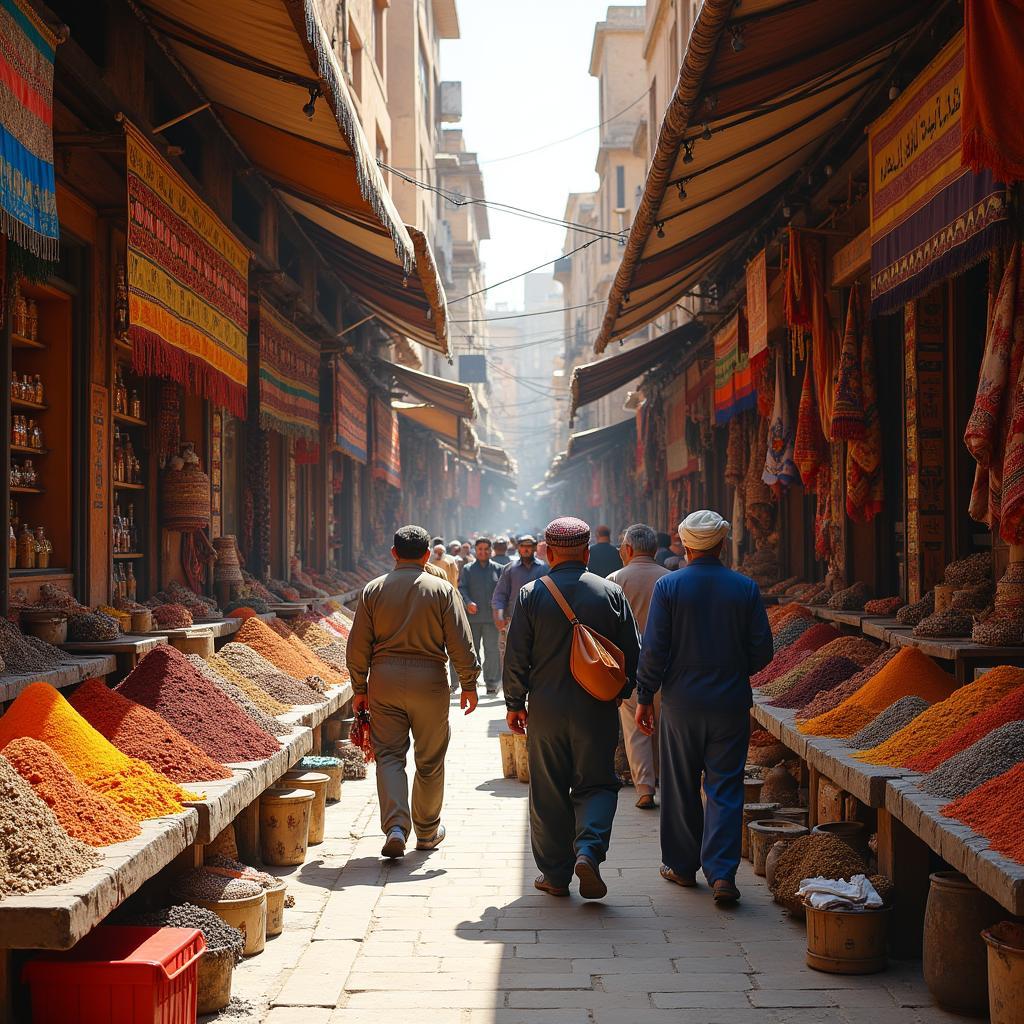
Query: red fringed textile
810 452
993 106
307 453
848 421
764 382
864 480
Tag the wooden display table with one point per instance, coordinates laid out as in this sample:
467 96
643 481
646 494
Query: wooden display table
964 653
851 619
69 673
882 627
290 609
128 649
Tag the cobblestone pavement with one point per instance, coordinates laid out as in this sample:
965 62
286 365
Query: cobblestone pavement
459 936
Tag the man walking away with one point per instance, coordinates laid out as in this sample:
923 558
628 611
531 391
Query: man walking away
443 561
637 580
476 585
707 633
572 736
664 548
408 623
604 557
501 555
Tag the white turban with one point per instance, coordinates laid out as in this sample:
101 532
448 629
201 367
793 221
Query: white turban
702 530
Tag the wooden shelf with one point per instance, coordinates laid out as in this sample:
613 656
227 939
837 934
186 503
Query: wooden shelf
21 403
125 555
25 450
119 486
27 490
123 417
20 341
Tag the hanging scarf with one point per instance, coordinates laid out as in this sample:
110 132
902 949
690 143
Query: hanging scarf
810 449
864 481
735 453
848 421
779 468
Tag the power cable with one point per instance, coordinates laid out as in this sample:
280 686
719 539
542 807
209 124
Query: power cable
520 316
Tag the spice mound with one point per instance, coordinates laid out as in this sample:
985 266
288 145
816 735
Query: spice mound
92 626
297 662
990 756
912 614
909 673
219 935
789 631
172 616
255 693
241 699
934 725
810 856
1009 709
34 850
827 673
28 653
889 722
141 733
827 700
993 810
266 675
83 814
201 884
165 682
43 714
883 606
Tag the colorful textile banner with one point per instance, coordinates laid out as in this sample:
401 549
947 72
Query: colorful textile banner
677 457
387 461
757 308
351 410
188 284
931 216
289 376
28 194
734 379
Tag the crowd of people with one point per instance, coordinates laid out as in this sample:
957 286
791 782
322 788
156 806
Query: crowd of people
590 641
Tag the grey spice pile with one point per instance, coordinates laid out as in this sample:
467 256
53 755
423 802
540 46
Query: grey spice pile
219 935
264 674
889 722
35 851
27 653
998 752
266 722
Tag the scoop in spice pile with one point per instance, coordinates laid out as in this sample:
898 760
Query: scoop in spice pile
35 851
84 815
139 732
165 682
41 713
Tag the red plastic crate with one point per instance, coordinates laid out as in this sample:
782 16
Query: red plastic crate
119 975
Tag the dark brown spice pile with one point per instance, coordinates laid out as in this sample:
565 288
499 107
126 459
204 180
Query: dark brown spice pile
809 857
165 682
830 672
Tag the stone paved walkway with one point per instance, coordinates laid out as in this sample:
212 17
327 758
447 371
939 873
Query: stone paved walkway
459 936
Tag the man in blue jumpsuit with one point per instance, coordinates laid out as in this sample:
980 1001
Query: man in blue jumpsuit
572 736
707 633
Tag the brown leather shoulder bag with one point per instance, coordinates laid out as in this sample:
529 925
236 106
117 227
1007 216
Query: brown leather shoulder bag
595 662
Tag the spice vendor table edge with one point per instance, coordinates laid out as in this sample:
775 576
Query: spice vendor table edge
68 673
883 627
963 653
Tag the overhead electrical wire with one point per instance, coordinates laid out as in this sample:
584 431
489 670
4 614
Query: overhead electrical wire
520 316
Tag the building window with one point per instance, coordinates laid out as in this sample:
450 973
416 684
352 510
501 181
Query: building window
382 157
620 187
356 45
423 76
377 34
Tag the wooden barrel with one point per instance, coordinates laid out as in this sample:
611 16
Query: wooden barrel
284 825
508 754
847 942
318 783
213 980
248 915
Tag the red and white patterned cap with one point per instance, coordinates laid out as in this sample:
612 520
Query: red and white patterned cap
567 532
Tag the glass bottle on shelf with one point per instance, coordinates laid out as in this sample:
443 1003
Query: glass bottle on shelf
117 531
26 548
32 324
129 461
135 405
12 549
39 389
28 474
35 439
131 583
43 548
133 538
118 457
20 315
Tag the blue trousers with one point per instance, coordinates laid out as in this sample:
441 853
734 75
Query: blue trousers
712 745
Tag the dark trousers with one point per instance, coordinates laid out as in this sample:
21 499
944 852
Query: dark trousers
712 745
573 786
485 635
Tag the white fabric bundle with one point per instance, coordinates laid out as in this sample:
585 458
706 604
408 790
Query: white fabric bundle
835 894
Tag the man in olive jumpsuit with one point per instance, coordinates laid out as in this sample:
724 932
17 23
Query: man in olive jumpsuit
572 736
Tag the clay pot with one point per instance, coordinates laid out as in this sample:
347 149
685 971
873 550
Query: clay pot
752 790
779 786
275 909
765 834
248 915
754 812
1005 972
284 825
853 833
213 980
953 959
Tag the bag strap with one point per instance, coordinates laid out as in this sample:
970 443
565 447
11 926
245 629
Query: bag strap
560 599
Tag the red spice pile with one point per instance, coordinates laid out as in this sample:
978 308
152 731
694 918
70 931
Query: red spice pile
1009 709
84 814
143 734
816 637
993 810
165 682
762 738
786 659
830 672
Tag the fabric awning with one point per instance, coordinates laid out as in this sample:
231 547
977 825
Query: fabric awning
449 395
259 62
453 430
497 460
595 380
589 443
762 86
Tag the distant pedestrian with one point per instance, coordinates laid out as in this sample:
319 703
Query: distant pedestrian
466 553
477 582
443 561
707 633
455 550
571 736
526 567
408 623
637 580
664 548
604 556
501 555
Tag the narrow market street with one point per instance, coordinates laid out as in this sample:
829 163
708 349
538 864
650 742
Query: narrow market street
459 936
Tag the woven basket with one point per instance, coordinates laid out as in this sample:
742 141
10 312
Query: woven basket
228 569
997 631
186 495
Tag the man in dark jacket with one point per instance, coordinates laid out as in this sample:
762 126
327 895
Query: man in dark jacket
707 632
476 585
604 556
572 736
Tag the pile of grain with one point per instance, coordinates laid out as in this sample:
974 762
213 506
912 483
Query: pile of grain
857 648
971 570
267 676
172 616
825 675
789 631
241 699
200 884
219 863
92 627
141 733
827 700
883 606
912 614
811 856
851 599
255 693
950 622
1009 709
779 665
889 722
26 653
993 810
165 682
788 680
996 753
352 758
909 673
219 935
929 729
84 815
256 634
41 713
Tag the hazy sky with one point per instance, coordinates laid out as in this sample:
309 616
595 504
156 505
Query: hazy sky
524 66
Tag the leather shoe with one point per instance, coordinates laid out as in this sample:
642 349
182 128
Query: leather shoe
686 881
394 845
592 885
432 842
725 892
541 883
646 802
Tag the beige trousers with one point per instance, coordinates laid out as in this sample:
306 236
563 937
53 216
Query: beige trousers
409 695
640 753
